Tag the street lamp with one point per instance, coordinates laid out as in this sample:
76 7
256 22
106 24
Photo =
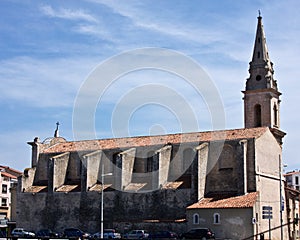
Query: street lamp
102 181
281 166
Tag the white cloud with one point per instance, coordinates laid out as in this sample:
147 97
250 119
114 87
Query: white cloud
69 14
93 30
83 22
141 18
43 83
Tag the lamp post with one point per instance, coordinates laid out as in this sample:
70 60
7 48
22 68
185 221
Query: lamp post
281 198
102 206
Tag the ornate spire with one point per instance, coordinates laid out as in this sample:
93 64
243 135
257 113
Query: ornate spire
261 96
261 68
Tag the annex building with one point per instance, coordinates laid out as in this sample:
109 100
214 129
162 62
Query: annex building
218 179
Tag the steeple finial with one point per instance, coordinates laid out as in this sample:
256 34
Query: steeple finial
259 13
56 133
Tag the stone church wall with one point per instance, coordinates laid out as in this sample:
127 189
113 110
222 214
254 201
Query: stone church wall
61 210
228 171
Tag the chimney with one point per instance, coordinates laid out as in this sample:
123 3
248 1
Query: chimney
35 151
56 133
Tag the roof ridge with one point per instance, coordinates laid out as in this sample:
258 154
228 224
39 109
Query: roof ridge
174 138
164 135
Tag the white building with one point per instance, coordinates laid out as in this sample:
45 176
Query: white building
8 177
292 179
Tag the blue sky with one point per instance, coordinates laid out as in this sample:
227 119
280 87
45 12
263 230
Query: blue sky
49 48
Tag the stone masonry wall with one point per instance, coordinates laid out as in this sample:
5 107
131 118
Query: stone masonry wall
61 210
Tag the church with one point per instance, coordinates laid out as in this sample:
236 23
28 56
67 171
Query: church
227 180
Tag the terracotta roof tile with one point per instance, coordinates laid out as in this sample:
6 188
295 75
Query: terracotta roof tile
98 187
5 174
292 173
134 187
92 145
66 188
244 201
35 189
172 185
11 170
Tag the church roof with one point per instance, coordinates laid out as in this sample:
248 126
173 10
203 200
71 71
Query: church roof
245 201
142 141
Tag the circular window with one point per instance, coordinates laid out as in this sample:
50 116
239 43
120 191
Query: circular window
258 78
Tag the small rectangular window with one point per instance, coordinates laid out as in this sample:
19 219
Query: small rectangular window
3 202
297 180
4 188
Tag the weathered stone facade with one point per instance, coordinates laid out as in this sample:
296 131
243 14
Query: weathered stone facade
64 188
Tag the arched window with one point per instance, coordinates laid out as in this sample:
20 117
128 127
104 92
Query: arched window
187 160
217 218
196 218
257 115
275 110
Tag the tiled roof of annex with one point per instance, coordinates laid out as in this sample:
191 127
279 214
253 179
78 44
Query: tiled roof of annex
245 201
7 168
140 141
5 174
292 173
7 171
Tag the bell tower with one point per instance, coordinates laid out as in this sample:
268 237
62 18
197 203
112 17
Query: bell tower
261 96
